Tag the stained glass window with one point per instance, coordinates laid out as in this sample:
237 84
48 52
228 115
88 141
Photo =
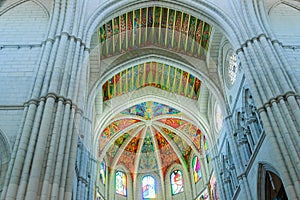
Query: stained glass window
103 172
206 149
232 67
196 169
218 118
148 183
121 183
176 182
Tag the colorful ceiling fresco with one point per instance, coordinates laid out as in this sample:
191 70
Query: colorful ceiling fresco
150 110
114 128
157 26
189 129
153 74
153 137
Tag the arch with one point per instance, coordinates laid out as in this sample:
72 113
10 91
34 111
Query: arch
17 3
211 14
20 29
158 185
186 193
112 183
131 100
151 57
269 184
284 17
177 183
121 183
149 187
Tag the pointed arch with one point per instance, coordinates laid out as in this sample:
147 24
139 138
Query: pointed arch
17 3
121 183
269 183
149 187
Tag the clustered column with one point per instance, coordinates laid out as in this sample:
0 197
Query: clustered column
43 159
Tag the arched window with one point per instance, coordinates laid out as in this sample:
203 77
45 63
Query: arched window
103 172
176 182
232 69
206 149
121 183
148 187
196 169
274 188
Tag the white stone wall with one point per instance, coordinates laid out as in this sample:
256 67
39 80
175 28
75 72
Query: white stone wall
23 28
284 21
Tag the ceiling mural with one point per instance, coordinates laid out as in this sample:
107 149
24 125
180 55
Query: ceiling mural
189 129
150 109
150 144
148 158
114 128
153 74
156 26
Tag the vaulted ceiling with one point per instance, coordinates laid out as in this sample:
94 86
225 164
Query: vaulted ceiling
150 136
140 133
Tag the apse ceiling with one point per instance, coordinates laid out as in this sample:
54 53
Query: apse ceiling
154 26
150 136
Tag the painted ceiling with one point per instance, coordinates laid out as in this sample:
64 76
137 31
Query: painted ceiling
153 74
149 137
154 26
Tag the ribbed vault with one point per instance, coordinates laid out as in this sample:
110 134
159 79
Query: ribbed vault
148 137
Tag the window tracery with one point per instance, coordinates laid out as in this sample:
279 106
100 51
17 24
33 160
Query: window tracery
232 64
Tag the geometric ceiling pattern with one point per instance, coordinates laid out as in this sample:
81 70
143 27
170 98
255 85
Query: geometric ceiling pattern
153 74
150 136
154 26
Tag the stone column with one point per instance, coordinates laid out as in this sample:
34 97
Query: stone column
277 106
44 155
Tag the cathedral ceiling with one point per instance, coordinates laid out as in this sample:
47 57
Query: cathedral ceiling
150 136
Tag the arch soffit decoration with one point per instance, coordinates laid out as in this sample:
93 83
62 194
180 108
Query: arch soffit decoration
203 10
96 90
40 3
